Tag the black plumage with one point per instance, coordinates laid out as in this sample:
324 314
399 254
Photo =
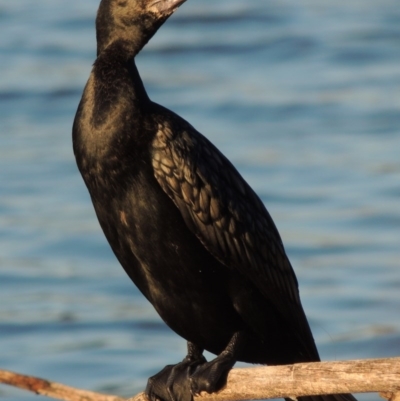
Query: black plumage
186 227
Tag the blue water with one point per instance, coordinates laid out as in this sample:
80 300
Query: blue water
303 97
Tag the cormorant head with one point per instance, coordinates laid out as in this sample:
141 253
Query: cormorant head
133 21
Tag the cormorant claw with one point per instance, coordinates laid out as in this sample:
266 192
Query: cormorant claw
173 382
211 376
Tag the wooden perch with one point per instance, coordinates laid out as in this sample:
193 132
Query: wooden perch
359 376
52 389
316 378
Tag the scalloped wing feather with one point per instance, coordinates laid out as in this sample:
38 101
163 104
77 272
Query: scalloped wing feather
225 214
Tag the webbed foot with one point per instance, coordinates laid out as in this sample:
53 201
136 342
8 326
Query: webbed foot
211 376
173 382
194 374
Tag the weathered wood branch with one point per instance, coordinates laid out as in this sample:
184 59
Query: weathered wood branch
358 376
317 378
52 389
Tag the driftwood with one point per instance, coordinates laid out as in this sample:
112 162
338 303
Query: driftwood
52 389
359 376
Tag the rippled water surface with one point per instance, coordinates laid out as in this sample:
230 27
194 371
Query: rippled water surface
303 97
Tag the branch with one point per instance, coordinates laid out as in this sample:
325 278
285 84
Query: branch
359 376
314 378
52 389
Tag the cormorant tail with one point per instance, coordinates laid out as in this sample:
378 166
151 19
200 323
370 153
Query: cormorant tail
330 397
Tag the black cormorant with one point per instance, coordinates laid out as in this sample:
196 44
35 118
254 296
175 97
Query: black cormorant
186 227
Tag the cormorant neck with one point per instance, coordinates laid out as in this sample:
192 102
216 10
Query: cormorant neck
118 58
129 43
126 49
140 90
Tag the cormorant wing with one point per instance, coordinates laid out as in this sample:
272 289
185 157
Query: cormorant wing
221 209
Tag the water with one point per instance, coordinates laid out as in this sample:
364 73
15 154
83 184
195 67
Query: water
302 97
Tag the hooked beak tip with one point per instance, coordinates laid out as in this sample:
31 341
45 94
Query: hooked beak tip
166 6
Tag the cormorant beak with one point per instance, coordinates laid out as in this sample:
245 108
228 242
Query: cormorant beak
165 7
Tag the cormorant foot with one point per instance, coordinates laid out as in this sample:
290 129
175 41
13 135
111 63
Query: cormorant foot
211 376
172 383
